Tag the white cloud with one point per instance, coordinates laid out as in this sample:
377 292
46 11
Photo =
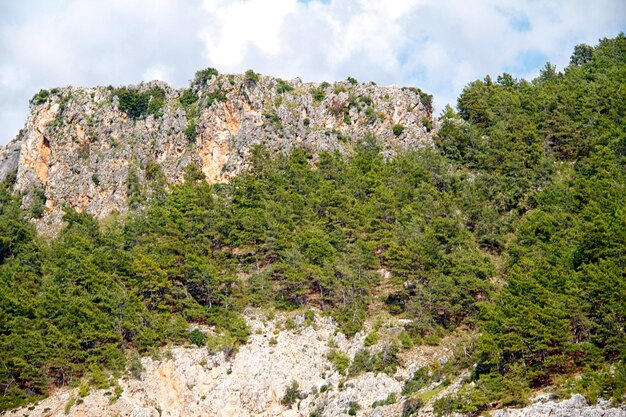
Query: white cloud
157 72
236 25
437 46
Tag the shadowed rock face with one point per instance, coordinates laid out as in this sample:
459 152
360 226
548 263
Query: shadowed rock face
80 148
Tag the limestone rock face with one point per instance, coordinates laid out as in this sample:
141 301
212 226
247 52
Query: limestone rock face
80 149
190 381
576 406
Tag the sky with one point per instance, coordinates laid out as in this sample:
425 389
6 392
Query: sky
437 45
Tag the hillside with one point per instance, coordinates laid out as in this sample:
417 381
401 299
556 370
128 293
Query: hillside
476 270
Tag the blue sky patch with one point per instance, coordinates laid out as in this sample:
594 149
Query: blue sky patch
517 20
527 61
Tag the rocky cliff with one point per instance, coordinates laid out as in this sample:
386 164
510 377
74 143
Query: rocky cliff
98 149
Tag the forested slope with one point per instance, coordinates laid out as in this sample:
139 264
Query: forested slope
514 225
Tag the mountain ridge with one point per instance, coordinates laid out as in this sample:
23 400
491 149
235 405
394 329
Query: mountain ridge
96 149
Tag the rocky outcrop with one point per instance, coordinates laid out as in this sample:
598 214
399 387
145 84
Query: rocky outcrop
190 381
87 147
576 406
9 159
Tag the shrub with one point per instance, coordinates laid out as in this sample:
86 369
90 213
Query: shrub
134 365
391 399
371 339
292 393
317 412
214 96
339 88
282 86
338 107
405 340
352 81
274 118
252 76
197 337
70 403
290 324
83 389
427 123
190 131
132 103
366 100
353 406
117 393
204 75
318 94
137 105
384 361
340 361
188 98
309 317
397 129
41 97
370 114
38 205
418 381
156 100
425 98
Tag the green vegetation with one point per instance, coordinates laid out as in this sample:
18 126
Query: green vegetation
41 97
215 96
205 75
137 105
189 101
340 361
553 151
391 399
411 406
38 205
283 86
514 226
386 360
252 76
427 123
274 119
353 407
318 94
197 337
397 130
190 131
188 98
292 394
425 98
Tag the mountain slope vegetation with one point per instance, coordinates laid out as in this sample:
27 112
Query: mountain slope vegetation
514 224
